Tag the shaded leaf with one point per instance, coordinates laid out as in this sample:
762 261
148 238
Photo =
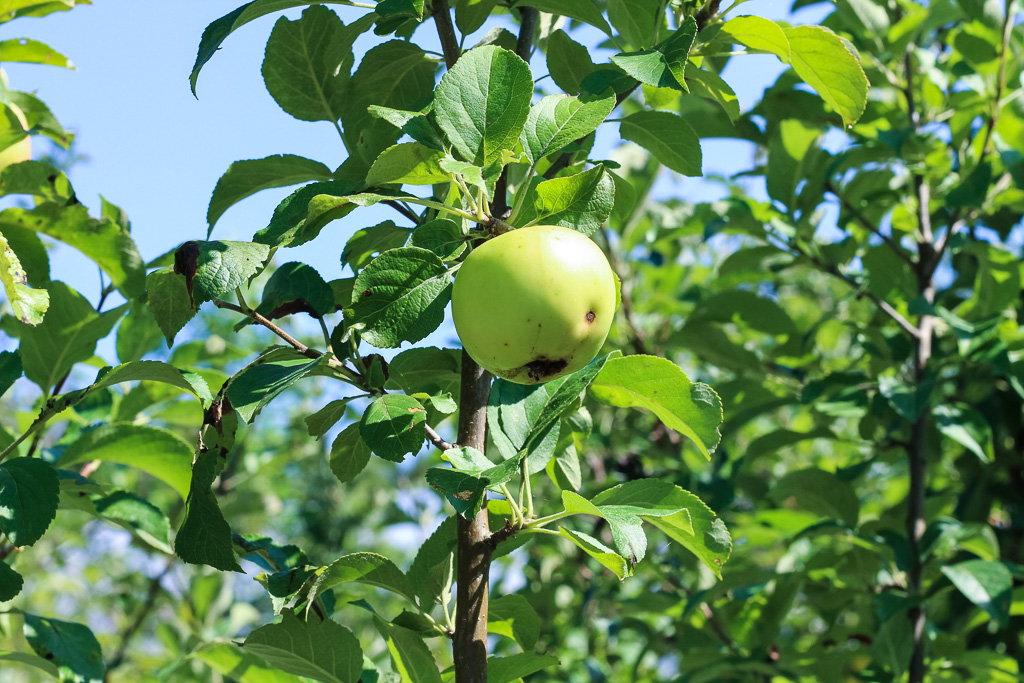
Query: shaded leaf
394 425
657 384
247 177
324 651
72 647
29 496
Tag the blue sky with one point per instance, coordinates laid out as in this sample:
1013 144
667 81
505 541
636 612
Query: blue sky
157 151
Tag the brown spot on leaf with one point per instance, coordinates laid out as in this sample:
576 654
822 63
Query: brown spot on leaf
367 292
186 262
297 306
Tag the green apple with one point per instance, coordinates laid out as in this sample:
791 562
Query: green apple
535 303
20 150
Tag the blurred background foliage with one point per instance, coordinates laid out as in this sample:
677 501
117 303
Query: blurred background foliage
773 295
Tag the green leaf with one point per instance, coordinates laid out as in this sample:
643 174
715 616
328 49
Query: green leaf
664 65
637 20
966 426
247 177
230 660
31 252
307 64
29 304
10 369
985 583
430 569
464 490
138 334
668 137
204 536
393 426
820 492
789 149
760 34
72 647
825 63
894 644
599 551
11 583
470 15
756 312
293 288
582 10
568 61
168 300
558 120
400 296
428 370
415 124
396 75
324 651
155 371
30 659
908 401
288 226
475 176
349 454
220 29
443 236
657 384
482 103
320 422
67 335
137 515
39 117
29 496
514 667
30 51
512 616
581 202
225 266
526 415
410 163
365 568
266 377
361 247
410 655
102 240
158 452
695 526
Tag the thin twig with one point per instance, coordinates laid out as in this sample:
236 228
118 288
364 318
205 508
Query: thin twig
402 209
797 250
868 225
140 617
435 438
292 341
1000 80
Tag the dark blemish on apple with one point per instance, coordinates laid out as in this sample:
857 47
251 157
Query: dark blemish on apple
591 316
539 369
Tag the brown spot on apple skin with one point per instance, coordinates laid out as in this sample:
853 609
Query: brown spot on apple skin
591 316
540 369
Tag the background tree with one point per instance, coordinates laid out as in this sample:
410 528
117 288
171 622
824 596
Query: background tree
857 316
